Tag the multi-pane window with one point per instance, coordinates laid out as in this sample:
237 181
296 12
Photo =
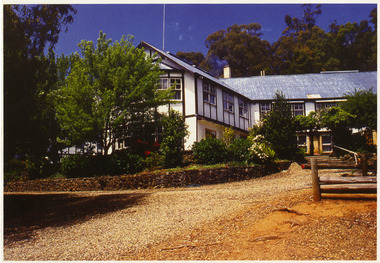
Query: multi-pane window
175 84
324 105
265 108
228 102
326 143
209 93
210 133
301 141
297 109
243 108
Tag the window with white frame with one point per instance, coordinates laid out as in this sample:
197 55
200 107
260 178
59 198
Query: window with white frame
326 143
297 109
243 108
209 93
228 102
324 105
265 107
175 84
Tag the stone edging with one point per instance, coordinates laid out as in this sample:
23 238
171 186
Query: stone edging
147 180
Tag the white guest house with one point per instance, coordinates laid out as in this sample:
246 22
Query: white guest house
209 105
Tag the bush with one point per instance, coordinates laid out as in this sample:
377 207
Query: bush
15 170
174 132
239 150
120 162
125 162
260 151
279 128
75 166
209 151
154 160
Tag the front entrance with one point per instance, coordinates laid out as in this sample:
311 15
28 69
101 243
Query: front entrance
315 143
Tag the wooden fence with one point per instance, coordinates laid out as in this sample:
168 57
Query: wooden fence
341 185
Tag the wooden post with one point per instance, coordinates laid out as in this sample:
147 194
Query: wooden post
364 164
315 179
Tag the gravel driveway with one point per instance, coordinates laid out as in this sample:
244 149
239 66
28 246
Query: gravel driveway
157 215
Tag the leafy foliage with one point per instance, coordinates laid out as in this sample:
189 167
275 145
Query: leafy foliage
241 47
28 30
228 136
120 162
209 151
279 128
75 166
339 122
260 151
309 122
173 138
125 162
363 105
15 170
108 87
303 47
239 150
195 58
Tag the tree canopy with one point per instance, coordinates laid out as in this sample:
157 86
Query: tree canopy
303 47
363 105
28 31
279 128
241 47
111 90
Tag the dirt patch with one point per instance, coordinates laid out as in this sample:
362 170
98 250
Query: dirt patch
268 218
291 228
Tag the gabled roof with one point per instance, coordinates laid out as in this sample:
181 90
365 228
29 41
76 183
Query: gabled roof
184 64
327 85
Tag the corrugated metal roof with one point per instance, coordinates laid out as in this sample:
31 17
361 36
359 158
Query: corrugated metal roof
331 85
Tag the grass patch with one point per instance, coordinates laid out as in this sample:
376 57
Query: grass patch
193 167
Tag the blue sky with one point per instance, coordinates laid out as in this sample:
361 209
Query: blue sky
188 25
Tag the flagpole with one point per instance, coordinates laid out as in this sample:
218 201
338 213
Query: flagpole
163 30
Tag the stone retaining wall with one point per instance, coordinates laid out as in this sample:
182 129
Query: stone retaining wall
147 180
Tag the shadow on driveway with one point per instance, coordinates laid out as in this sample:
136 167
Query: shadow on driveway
24 213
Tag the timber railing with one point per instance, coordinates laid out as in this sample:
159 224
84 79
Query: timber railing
356 156
341 185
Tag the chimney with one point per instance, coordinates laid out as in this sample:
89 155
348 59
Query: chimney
226 72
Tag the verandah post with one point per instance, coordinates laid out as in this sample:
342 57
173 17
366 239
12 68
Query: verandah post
315 179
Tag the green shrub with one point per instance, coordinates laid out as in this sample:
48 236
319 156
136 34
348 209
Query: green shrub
120 162
260 151
125 162
99 165
154 160
209 151
15 170
239 150
75 166
174 132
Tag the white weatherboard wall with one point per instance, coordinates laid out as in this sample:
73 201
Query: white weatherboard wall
189 86
191 122
309 107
